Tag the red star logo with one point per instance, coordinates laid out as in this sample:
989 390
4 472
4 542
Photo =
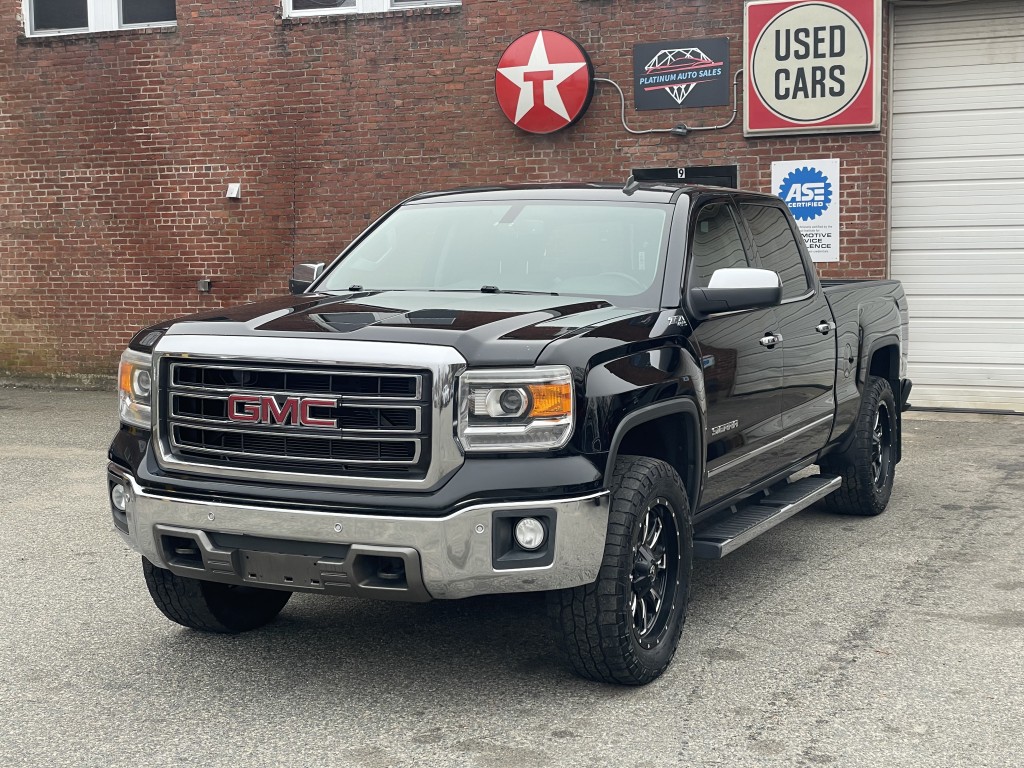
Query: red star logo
544 82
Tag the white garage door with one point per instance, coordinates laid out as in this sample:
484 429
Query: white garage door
958 200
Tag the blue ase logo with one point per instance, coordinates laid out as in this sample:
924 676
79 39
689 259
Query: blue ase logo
808 193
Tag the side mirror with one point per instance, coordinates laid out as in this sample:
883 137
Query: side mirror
303 276
732 290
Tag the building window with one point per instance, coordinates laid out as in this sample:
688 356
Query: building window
54 17
323 7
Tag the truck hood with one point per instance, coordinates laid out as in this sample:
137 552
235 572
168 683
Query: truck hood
486 329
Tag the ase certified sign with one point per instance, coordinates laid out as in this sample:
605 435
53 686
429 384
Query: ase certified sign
812 66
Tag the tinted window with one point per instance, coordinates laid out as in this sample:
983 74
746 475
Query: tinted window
777 247
589 248
716 244
319 5
147 11
59 14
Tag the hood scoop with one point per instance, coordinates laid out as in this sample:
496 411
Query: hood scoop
432 317
346 322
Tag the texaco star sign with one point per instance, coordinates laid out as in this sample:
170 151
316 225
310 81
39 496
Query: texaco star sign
544 82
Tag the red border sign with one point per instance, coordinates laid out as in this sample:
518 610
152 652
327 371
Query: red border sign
812 66
544 81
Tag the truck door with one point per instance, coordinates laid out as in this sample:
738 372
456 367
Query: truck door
808 333
742 373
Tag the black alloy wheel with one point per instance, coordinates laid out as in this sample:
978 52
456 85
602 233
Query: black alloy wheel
655 572
868 465
624 627
881 446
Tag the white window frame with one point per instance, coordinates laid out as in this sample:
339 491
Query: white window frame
104 16
364 6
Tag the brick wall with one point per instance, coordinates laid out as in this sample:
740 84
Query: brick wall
116 150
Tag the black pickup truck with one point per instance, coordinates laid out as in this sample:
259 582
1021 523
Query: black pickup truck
575 389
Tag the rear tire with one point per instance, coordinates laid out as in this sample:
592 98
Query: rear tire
868 465
624 628
210 606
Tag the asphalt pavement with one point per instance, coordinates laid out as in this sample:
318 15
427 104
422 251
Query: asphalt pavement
829 641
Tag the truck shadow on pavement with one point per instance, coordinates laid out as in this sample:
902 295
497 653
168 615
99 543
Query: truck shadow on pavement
469 647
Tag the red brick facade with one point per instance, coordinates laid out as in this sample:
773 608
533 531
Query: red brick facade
116 150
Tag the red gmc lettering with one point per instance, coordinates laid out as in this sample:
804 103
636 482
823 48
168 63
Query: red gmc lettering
274 413
250 411
264 409
310 421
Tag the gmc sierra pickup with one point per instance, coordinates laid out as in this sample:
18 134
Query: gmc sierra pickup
575 389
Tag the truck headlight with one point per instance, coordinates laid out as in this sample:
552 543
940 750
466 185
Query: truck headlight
515 409
135 389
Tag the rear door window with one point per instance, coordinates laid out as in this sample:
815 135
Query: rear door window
777 247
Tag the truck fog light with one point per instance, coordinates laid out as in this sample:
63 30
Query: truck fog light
119 497
529 533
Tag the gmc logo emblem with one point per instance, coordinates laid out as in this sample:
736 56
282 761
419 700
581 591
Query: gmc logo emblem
264 409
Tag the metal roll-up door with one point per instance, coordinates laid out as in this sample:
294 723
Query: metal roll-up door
958 199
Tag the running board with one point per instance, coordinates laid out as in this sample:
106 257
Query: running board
749 522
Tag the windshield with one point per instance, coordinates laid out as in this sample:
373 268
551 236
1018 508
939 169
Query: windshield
581 248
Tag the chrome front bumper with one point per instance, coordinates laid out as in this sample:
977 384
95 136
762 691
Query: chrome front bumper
444 558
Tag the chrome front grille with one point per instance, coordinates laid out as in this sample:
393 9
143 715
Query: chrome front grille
353 422
395 399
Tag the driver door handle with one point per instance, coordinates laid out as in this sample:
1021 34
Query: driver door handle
770 340
825 327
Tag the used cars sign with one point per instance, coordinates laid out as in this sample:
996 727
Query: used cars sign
812 67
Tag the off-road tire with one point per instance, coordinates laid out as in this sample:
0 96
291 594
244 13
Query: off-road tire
210 606
596 624
868 465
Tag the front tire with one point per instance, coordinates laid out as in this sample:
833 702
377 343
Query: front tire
624 628
210 606
868 465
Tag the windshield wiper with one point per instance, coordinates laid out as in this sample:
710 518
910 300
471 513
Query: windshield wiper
356 288
496 289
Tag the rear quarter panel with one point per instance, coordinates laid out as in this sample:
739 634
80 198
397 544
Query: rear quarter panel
869 315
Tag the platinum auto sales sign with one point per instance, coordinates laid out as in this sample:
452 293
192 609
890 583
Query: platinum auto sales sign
812 66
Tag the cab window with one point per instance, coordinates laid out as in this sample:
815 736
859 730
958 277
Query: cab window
777 247
716 244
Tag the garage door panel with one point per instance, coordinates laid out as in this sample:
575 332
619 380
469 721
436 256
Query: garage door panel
968 331
924 65
957 204
965 169
940 216
983 126
930 142
926 307
970 358
923 102
973 398
972 23
943 269
912 240
977 287
927 258
1006 377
